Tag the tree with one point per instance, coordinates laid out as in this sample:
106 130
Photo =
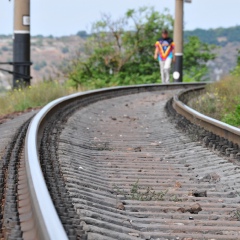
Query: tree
82 34
196 56
120 51
219 36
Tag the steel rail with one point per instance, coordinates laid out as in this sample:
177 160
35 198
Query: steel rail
217 127
44 213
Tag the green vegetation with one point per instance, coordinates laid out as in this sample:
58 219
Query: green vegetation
120 52
116 56
82 34
233 118
32 97
237 215
39 65
65 50
196 54
221 101
219 36
38 36
140 193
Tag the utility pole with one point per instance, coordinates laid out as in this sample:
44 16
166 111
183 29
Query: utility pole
178 39
21 55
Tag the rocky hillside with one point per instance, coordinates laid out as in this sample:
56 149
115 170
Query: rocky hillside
228 42
48 55
226 60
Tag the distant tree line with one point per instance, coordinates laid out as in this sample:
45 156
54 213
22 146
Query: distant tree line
219 36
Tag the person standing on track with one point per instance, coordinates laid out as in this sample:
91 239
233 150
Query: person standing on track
165 54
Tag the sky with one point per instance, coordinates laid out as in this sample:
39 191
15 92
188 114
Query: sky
66 17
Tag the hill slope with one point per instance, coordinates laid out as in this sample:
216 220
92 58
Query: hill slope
48 54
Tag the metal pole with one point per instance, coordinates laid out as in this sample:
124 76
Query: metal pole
178 39
21 50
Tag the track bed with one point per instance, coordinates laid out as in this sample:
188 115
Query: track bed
131 174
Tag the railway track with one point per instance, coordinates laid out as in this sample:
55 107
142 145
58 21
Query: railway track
122 163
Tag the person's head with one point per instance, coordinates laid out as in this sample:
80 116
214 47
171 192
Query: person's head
165 33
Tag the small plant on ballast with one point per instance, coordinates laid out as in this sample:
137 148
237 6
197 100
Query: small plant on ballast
139 193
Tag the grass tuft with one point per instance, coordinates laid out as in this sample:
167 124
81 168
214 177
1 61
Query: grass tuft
140 193
32 97
221 101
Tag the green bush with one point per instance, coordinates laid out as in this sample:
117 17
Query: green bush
82 34
196 55
65 50
233 118
39 65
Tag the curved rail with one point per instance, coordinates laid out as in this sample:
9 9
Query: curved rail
44 213
217 127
